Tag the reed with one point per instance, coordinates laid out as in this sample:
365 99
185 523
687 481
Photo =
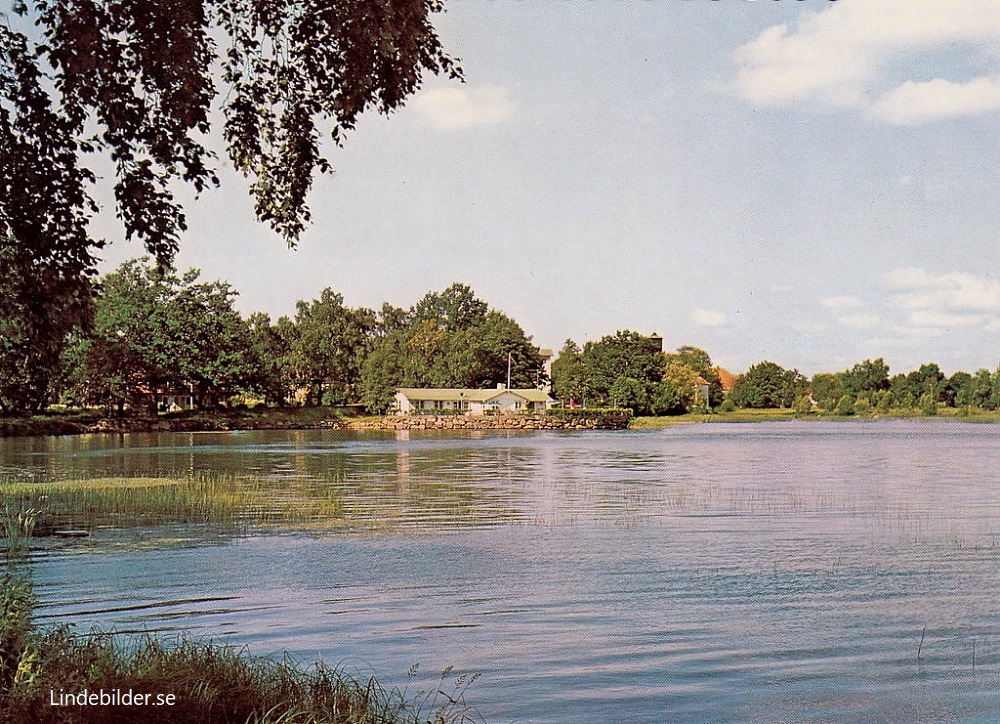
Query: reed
230 501
209 683
17 598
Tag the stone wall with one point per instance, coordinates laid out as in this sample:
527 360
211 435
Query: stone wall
489 422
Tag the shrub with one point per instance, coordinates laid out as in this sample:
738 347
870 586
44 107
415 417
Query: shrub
845 405
698 408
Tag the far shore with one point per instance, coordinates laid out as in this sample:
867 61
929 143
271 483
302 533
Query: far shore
329 418
772 415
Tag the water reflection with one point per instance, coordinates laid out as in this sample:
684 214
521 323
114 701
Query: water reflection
739 477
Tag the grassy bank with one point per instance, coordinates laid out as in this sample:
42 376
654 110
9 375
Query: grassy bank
229 502
647 423
948 413
183 682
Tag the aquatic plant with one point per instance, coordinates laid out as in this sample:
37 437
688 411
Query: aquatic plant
17 598
232 502
208 683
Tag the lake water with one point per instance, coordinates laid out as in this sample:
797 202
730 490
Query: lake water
837 571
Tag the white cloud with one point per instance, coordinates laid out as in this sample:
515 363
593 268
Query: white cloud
920 290
913 103
452 108
944 319
907 334
708 318
859 321
841 302
908 277
841 56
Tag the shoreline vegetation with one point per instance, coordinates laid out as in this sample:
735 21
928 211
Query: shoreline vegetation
93 422
45 672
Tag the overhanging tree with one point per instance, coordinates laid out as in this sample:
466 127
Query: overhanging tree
142 74
134 81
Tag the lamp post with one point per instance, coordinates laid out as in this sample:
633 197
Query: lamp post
510 356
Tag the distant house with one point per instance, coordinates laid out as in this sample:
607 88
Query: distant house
726 379
546 354
702 384
175 401
416 400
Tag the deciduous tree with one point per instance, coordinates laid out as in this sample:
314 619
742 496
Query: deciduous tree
330 345
567 374
447 339
767 384
866 378
700 361
154 330
625 354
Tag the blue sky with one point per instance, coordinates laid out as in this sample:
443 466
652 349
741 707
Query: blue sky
813 183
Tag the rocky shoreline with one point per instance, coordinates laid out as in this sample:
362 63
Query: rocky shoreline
491 422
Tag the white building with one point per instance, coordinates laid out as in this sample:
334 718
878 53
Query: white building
415 401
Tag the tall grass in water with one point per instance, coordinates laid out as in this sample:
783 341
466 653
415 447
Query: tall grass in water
16 599
210 684
230 501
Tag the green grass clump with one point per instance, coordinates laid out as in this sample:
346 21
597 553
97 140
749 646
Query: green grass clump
233 503
210 684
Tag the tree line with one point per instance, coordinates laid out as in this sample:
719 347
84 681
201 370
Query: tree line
630 370
148 331
865 388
